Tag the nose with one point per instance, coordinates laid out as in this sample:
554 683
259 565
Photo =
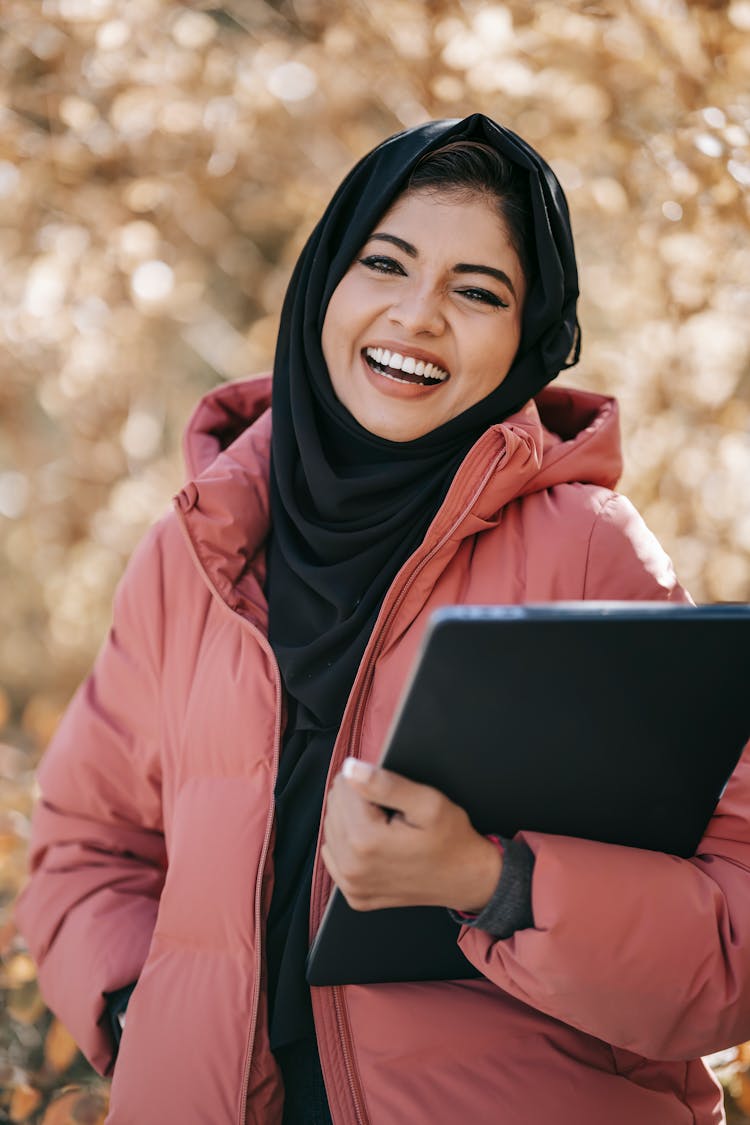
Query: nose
418 309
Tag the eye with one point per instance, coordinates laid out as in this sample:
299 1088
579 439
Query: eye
380 263
484 297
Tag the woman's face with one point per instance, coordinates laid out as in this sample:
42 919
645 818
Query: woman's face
427 319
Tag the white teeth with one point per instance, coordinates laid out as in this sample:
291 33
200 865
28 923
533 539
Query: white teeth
408 364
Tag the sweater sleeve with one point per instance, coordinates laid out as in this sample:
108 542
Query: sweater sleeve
509 909
643 950
97 851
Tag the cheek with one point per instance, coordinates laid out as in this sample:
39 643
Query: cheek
339 316
502 348
328 334
513 339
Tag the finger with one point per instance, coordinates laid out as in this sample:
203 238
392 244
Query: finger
354 893
418 804
348 807
351 825
329 859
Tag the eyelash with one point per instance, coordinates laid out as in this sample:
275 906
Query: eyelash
379 263
485 297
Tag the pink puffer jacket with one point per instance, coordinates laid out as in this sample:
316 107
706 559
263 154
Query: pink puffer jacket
153 838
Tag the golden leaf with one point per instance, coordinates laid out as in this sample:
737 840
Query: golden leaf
20 969
59 1047
25 1003
77 1106
24 1100
4 707
742 1096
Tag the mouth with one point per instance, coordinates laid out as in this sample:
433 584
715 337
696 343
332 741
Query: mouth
405 368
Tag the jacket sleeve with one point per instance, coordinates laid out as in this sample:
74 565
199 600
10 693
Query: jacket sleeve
97 851
646 951
625 561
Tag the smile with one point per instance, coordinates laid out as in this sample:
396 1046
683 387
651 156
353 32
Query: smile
405 368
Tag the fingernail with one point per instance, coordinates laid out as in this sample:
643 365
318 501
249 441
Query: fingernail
356 770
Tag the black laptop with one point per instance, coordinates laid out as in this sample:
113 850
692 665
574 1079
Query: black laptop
614 721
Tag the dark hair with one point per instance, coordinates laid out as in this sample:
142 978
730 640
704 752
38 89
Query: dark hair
470 167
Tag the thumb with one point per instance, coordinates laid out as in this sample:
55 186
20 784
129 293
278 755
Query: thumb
389 790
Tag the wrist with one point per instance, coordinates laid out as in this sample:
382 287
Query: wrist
484 877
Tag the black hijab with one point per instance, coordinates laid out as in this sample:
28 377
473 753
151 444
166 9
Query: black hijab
347 507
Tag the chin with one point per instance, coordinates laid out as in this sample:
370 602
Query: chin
398 432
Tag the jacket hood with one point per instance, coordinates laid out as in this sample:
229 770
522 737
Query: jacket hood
578 432
220 417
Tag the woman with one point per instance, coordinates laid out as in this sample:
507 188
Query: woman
261 636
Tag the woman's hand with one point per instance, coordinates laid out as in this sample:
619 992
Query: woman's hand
392 842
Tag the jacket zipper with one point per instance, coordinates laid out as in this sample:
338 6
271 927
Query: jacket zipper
265 645
377 648
339 1001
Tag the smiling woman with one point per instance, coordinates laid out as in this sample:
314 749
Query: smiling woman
218 769
415 336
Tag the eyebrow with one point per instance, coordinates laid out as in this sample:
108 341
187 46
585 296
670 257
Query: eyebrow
402 245
499 275
461 267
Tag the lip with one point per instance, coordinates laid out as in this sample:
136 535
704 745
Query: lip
393 388
403 348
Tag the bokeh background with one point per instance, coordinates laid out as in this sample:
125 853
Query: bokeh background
161 164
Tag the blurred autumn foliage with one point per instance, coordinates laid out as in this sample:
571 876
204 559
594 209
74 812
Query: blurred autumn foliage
161 164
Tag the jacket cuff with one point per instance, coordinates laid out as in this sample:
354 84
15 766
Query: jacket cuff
509 909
